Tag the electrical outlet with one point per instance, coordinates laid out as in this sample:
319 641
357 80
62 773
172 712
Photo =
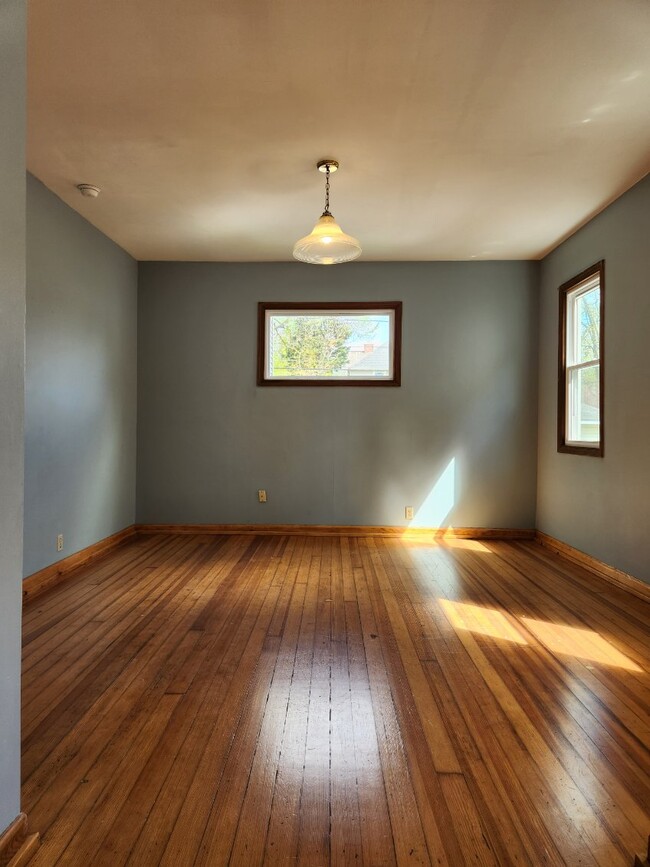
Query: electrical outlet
261 496
408 513
59 542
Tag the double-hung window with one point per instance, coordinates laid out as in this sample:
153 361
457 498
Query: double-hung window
580 370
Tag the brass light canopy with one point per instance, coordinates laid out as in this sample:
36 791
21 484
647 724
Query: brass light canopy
327 243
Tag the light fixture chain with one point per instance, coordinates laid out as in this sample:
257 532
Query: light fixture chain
327 189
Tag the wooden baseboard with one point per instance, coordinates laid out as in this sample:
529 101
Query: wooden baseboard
51 575
17 845
335 530
609 573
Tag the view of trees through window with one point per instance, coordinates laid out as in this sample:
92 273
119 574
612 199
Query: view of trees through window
340 345
580 372
584 368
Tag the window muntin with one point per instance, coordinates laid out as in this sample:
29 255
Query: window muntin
329 344
580 399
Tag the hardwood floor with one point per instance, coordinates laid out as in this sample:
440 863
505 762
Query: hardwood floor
194 700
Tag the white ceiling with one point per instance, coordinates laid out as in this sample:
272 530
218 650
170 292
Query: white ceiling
465 128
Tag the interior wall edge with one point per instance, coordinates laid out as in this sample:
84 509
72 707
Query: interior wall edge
12 390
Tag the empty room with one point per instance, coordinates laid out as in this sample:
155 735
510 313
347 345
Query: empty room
343 565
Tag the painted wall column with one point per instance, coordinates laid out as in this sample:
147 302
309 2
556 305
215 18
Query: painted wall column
12 384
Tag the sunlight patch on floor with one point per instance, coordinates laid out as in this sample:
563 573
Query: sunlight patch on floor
582 643
556 637
467 545
485 621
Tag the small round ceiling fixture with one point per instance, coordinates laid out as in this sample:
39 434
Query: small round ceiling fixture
89 190
327 243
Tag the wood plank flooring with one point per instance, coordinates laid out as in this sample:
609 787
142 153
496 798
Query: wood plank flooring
248 700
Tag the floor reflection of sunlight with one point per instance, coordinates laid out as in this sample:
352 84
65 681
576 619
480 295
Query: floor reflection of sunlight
583 643
426 535
485 621
467 545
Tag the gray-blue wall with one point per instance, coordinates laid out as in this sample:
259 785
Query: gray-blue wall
12 379
80 406
457 441
602 505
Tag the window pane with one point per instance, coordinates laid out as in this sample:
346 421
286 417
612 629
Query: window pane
583 416
580 398
587 323
334 345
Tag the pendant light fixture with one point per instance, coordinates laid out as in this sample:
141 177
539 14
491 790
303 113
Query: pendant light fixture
327 244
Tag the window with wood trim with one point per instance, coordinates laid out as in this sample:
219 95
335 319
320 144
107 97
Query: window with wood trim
580 428
346 343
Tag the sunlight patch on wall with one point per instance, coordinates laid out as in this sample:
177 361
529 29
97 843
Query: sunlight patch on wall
439 502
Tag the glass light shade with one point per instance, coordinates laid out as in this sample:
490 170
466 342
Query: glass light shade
327 244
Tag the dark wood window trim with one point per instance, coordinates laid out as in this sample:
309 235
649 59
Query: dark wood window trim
597 450
359 306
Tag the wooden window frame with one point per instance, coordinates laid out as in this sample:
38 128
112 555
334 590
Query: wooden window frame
359 306
597 450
